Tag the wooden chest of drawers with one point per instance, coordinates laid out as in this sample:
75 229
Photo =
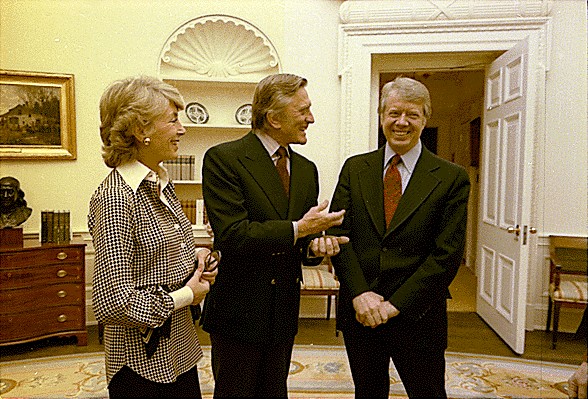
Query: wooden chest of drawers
42 293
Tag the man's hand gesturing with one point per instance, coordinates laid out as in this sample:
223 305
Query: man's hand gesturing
318 219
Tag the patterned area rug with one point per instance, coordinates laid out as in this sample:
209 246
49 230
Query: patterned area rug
316 372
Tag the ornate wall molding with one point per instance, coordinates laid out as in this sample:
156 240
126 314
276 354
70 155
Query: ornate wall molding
370 11
217 47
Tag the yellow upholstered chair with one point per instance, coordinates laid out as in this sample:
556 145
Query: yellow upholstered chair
567 277
321 280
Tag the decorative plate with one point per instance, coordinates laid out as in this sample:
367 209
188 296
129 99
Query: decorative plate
196 113
243 114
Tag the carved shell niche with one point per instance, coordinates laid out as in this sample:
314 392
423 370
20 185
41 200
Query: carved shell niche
218 47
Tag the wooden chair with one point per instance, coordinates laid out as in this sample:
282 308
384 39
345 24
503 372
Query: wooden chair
567 277
321 280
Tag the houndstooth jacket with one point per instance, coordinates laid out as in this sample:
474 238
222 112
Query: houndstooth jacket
144 245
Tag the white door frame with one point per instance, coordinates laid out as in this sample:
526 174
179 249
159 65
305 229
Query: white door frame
365 35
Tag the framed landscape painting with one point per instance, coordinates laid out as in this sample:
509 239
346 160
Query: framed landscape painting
37 115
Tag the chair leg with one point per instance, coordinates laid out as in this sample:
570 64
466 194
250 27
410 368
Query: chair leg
556 307
328 307
336 307
549 308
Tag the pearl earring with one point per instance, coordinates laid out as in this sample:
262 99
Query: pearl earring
146 141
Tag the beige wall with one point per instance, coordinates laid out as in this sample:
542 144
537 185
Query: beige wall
564 185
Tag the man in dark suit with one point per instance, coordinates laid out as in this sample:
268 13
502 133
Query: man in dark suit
395 275
265 227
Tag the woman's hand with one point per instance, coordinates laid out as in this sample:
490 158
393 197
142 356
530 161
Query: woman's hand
201 281
209 276
198 285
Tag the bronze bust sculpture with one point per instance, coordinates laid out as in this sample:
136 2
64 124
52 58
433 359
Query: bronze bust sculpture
13 207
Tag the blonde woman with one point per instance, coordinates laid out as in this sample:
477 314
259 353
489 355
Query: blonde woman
143 287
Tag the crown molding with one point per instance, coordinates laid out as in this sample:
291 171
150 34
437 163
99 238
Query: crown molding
374 11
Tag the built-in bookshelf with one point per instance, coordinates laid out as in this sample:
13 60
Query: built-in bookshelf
182 168
215 62
195 211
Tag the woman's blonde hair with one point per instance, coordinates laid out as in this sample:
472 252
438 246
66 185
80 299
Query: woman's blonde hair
129 106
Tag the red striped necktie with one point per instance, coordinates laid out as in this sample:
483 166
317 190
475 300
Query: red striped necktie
392 188
282 167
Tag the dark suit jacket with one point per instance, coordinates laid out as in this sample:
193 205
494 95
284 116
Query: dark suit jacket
412 262
256 295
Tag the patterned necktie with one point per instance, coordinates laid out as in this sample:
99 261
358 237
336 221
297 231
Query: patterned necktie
392 188
282 167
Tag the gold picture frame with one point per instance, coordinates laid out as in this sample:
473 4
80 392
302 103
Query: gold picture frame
37 115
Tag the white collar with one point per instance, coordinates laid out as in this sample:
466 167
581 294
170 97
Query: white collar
134 172
409 159
270 144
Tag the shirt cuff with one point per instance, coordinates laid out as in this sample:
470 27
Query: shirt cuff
182 297
295 227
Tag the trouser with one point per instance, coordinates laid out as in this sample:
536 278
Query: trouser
421 368
243 369
128 384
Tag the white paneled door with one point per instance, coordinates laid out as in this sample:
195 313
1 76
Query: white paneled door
506 188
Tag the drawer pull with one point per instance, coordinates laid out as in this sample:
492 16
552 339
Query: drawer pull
62 293
62 318
62 255
61 273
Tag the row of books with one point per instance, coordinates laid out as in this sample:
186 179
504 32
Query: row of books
55 226
181 168
195 211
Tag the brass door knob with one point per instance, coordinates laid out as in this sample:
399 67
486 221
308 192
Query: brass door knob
515 230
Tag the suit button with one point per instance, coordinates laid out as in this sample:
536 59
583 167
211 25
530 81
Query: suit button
273 281
384 249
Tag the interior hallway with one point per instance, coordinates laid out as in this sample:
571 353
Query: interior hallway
463 291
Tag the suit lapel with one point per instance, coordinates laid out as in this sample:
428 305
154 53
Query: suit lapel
421 184
372 188
301 174
259 164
